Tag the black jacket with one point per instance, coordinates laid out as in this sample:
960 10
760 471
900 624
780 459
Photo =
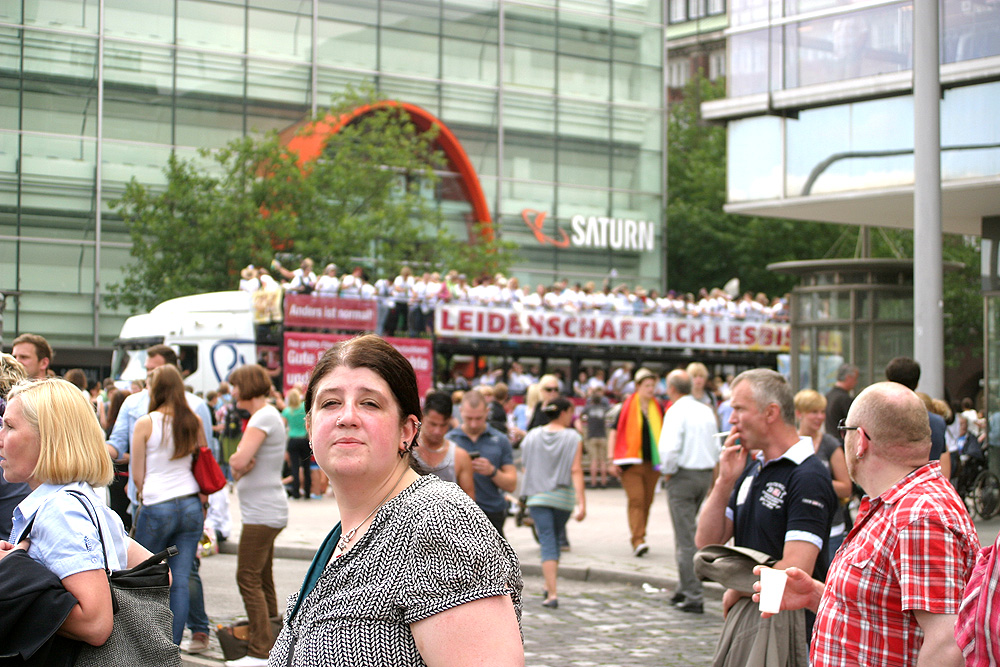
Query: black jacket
33 605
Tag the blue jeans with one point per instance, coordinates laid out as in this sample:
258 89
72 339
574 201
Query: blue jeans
197 619
179 522
550 526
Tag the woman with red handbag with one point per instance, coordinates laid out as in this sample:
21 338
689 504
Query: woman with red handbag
170 509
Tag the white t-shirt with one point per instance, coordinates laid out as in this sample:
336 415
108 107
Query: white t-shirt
262 497
166 478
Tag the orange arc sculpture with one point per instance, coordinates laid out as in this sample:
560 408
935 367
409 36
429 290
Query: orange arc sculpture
308 140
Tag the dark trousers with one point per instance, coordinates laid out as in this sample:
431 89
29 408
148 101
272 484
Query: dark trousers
497 519
255 578
299 455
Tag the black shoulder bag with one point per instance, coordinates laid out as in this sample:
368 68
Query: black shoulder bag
143 632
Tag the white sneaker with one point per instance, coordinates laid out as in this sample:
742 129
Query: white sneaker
247 661
641 550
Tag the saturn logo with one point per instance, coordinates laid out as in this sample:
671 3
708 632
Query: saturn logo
535 220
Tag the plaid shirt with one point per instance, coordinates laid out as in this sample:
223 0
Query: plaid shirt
912 548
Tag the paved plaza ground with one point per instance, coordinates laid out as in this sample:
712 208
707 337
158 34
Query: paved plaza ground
614 608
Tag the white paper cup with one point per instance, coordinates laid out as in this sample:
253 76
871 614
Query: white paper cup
772 587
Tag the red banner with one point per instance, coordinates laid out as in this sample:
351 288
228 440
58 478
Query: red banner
303 350
454 321
328 312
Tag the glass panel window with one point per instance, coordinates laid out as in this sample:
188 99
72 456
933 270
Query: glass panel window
755 141
71 56
350 11
458 66
209 74
210 25
61 109
583 77
278 82
678 11
970 30
409 53
132 66
754 59
148 21
143 119
696 9
678 72
62 14
280 34
528 157
347 44
847 46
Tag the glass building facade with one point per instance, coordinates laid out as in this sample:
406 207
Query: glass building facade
559 105
819 110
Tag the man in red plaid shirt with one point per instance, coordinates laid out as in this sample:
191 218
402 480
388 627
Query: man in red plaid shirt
894 589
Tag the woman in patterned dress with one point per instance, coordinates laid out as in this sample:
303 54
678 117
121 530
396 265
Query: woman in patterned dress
415 574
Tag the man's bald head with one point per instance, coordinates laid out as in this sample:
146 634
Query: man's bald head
679 381
895 420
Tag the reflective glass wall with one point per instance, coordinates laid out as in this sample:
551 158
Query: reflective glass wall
558 103
778 45
861 145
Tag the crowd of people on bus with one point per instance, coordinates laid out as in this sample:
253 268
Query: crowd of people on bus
407 301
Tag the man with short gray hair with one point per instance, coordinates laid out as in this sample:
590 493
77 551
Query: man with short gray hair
838 399
689 451
779 501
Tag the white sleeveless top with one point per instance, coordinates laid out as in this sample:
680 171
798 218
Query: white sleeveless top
166 479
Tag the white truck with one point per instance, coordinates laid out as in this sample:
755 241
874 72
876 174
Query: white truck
212 333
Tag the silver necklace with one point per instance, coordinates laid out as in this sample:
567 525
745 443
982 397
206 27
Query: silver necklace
345 540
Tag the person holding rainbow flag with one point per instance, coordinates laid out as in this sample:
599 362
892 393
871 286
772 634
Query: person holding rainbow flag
633 453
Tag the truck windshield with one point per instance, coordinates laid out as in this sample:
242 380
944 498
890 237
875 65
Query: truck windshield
129 359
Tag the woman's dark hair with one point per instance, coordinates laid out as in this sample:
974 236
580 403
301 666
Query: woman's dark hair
166 389
557 406
252 380
115 399
77 377
371 352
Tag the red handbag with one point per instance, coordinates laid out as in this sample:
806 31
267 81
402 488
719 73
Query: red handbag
207 472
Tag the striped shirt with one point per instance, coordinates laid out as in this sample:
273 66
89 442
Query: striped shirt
911 548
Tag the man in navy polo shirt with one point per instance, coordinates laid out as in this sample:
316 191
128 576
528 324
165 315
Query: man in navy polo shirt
492 458
772 493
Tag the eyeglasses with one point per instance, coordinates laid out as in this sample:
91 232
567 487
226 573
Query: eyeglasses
843 428
550 388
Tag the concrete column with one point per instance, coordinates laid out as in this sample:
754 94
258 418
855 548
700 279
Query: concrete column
928 270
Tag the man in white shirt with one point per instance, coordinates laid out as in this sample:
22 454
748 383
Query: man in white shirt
689 451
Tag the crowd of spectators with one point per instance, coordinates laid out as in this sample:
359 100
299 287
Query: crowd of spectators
411 298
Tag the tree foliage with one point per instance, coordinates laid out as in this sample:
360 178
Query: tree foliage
368 199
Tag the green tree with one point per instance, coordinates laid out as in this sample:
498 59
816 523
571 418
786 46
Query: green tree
369 195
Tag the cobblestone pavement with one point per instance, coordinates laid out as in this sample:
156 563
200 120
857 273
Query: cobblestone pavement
605 624
615 625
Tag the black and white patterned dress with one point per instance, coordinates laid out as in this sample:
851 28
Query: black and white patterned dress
428 550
